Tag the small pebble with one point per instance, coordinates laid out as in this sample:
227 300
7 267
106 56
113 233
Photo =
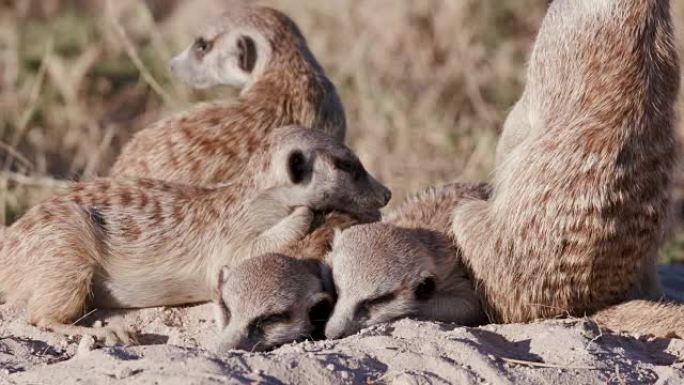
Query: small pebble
86 345
344 375
330 367
124 373
97 324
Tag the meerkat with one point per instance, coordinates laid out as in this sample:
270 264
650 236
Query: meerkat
261 51
142 243
581 186
406 265
270 300
277 298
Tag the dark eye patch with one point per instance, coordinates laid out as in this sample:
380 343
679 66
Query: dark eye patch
425 289
248 54
257 326
202 46
351 167
363 309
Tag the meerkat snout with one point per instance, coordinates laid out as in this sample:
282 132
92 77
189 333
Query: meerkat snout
270 300
230 52
324 174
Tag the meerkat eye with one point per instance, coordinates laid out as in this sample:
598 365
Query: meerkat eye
297 167
248 55
351 167
363 310
256 327
425 289
202 46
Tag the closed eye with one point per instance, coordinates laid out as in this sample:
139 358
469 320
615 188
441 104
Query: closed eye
363 309
257 326
380 300
351 167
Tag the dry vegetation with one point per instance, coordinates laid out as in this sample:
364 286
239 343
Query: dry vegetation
426 83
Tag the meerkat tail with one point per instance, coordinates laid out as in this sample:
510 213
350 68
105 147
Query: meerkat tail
661 319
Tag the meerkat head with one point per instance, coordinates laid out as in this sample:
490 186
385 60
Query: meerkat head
270 300
381 272
310 168
239 46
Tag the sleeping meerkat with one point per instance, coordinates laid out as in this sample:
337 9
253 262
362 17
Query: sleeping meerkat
581 186
260 50
274 299
406 265
270 300
142 243
402 267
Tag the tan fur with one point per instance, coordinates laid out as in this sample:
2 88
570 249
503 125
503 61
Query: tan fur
405 266
581 187
295 282
661 319
270 300
213 142
317 243
143 242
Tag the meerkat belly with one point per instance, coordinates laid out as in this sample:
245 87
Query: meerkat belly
149 287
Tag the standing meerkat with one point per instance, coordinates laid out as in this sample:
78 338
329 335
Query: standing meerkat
406 265
142 243
581 187
263 52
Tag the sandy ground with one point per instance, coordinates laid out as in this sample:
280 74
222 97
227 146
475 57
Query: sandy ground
176 348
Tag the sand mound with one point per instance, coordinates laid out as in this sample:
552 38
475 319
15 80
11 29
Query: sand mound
176 348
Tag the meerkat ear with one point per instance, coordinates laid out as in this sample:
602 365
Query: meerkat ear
320 309
297 167
248 53
425 289
221 311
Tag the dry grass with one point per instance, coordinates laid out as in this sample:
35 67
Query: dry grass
426 83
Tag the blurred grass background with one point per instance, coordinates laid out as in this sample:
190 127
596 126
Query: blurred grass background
426 83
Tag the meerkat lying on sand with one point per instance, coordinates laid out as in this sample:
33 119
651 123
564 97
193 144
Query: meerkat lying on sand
270 300
291 291
260 50
581 188
406 265
142 243
401 267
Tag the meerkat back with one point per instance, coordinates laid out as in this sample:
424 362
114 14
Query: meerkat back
581 191
261 51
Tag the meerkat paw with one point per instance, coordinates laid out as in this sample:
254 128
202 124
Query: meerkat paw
119 335
291 228
301 215
110 335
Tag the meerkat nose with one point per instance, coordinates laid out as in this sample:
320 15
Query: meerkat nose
387 195
337 327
